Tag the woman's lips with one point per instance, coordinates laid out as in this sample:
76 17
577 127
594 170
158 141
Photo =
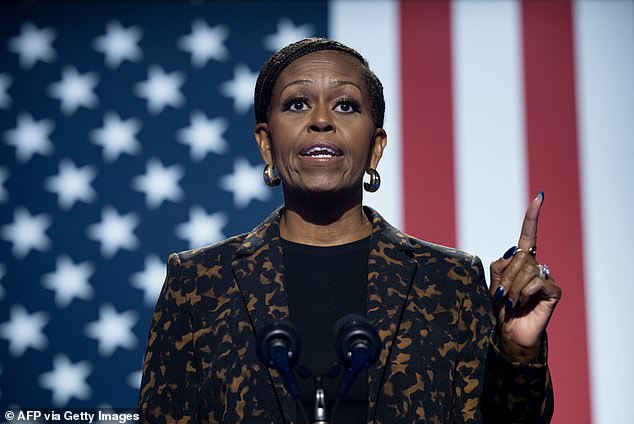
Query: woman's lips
321 151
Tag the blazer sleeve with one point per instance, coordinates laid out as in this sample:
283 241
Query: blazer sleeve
516 392
169 386
475 323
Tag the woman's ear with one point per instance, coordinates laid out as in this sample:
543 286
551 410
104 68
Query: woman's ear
378 145
263 138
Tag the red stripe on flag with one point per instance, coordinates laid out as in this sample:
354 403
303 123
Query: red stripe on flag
553 167
427 130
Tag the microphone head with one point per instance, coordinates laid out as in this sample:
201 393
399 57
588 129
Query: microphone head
278 334
353 332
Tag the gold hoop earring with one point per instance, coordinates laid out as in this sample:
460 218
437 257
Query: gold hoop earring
375 181
270 178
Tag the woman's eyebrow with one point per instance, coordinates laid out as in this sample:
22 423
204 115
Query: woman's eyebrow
332 84
297 82
338 83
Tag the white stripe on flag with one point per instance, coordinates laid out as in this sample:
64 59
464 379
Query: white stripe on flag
491 185
373 29
604 34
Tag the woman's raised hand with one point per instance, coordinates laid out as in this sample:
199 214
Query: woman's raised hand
524 294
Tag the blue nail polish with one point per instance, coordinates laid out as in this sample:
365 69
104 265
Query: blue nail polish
509 252
508 307
541 196
498 295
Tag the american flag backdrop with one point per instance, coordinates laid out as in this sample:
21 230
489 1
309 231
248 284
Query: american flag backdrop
126 134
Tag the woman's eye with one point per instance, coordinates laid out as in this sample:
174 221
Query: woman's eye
346 106
297 105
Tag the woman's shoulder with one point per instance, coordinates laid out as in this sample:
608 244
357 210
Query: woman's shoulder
241 244
454 263
213 253
447 267
418 248
424 247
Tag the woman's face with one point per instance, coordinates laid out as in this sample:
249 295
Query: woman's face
320 135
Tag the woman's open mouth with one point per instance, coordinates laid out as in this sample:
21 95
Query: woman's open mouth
321 151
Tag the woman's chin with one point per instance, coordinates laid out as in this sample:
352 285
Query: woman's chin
324 188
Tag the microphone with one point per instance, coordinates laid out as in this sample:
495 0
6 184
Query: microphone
358 346
278 346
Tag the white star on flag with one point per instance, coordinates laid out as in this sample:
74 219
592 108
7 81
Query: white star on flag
151 279
67 380
30 137
69 281
33 44
24 330
27 232
204 135
119 44
4 176
161 89
245 183
202 229
117 136
75 90
72 184
114 231
205 43
113 329
5 83
240 88
159 183
286 34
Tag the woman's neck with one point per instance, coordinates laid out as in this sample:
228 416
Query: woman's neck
324 220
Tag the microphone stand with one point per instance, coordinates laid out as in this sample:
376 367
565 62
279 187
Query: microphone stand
320 412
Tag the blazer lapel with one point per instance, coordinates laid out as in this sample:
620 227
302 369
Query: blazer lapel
259 271
391 271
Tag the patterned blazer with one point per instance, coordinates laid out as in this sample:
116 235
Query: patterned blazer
429 304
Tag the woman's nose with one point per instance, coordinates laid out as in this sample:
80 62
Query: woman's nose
321 120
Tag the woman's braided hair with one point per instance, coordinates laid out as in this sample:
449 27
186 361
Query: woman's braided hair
272 69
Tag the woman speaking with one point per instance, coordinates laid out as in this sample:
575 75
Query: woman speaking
451 349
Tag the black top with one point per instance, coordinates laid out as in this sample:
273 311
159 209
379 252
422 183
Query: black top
324 284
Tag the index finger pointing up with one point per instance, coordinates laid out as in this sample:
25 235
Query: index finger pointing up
528 236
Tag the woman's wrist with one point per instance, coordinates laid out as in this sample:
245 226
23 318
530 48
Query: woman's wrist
519 353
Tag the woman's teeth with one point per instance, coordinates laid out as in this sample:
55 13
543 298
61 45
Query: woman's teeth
321 152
